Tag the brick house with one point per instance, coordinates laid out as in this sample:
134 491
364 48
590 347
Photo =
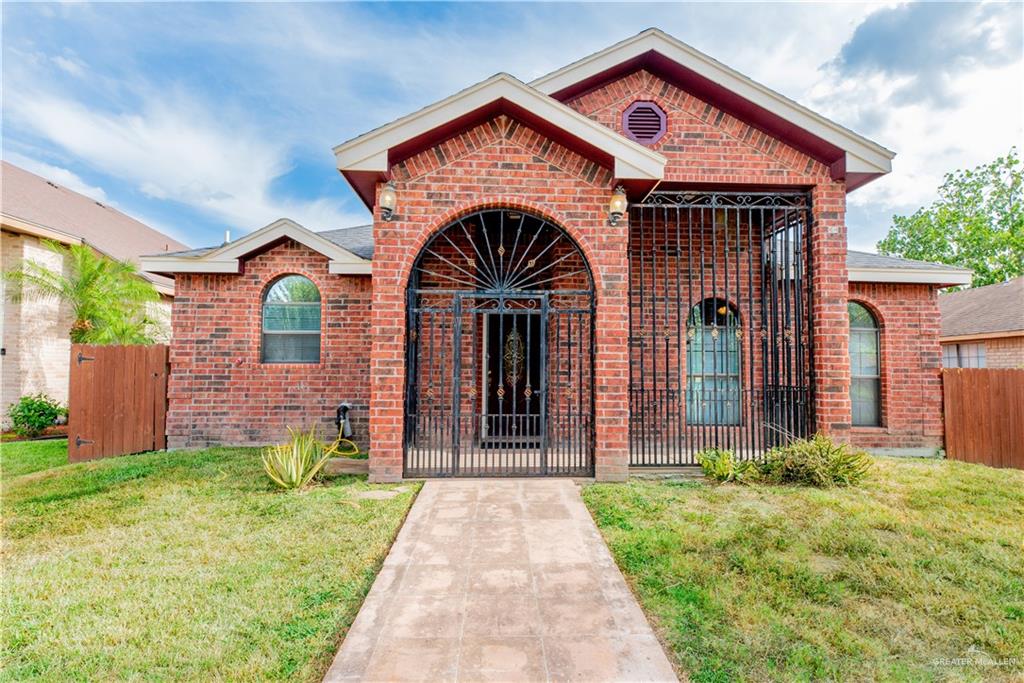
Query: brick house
983 327
638 256
34 334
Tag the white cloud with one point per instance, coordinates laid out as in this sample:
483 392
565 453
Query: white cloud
69 64
295 79
58 175
929 141
175 148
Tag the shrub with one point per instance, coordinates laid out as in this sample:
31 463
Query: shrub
294 464
722 465
817 461
34 413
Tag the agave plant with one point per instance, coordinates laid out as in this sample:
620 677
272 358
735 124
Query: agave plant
292 465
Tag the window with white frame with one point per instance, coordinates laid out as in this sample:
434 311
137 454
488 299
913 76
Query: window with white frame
291 321
963 355
865 367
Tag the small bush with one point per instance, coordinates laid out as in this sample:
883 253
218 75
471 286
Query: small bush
294 464
33 414
817 461
722 465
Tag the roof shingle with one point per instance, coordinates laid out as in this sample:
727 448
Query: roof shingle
34 199
991 309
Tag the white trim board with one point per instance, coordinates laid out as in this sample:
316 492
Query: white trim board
910 276
862 154
369 152
228 257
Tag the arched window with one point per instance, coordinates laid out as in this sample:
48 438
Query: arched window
291 321
865 367
713 387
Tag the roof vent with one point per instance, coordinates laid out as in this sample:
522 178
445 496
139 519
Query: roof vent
644 122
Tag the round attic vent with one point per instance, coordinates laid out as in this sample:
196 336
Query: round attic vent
644 122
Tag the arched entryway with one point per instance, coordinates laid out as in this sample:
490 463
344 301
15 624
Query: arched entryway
500 351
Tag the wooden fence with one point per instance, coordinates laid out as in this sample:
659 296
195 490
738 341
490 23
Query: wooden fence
118 400
984 412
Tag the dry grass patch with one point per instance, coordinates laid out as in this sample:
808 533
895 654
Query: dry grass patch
887 581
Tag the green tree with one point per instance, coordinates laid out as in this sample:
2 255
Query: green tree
977 222
107 297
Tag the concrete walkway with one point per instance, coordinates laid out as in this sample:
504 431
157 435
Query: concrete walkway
500 581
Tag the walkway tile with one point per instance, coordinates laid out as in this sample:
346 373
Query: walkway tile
505 581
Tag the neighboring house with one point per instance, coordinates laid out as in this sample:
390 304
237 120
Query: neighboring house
983 327
35 351
636 257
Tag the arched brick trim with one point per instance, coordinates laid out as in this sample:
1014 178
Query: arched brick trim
510 203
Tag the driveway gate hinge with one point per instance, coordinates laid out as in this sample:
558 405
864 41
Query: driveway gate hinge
79 440
82 357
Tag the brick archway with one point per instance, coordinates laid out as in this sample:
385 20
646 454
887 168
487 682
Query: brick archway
499 350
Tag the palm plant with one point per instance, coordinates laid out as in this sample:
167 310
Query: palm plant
107 297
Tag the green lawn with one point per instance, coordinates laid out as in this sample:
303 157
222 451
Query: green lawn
23 457
887 581
183 565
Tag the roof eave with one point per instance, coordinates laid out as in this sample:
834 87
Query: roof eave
367 159
937 277
230 257
997 334
862 160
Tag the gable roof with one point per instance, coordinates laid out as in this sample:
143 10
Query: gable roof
862 266
358 239
849 155
33 205
228 257
366 159
993 310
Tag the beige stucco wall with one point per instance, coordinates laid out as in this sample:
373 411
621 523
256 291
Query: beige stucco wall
1005 352
34 334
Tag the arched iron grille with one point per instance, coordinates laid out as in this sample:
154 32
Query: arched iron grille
750 353
500 348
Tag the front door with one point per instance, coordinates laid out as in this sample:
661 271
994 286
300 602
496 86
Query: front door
512 379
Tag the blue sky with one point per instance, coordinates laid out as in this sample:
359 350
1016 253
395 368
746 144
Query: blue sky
199 117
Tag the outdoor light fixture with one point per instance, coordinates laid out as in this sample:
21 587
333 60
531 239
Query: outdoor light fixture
388 200
617 205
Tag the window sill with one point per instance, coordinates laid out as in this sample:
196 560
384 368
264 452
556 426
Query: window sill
291 364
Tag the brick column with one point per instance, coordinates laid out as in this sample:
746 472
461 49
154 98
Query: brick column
387 355
610 264
831 326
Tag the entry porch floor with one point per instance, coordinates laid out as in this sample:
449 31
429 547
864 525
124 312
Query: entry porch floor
497 462
500 581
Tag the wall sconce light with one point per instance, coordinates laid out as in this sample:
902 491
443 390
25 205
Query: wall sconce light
388 200
617 205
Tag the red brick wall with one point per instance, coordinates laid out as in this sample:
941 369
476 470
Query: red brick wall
220 393
503 163
911 364
705 145
500 163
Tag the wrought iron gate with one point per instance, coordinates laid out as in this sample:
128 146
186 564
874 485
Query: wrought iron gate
499 362
721 350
